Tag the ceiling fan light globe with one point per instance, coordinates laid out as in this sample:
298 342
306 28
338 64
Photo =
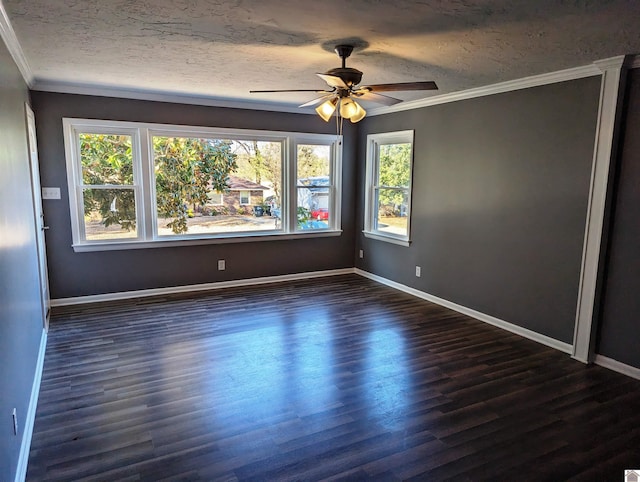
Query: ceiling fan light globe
359 115
326 109
348 108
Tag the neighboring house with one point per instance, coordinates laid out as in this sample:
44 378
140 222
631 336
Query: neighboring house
316 196
242 193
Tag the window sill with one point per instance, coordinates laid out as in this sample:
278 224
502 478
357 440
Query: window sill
387 239
166 243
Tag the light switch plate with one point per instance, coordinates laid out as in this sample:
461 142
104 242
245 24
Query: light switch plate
50 193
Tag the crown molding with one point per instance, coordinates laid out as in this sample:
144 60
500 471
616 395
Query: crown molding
502 87
596 68
13 46
159 96
612 63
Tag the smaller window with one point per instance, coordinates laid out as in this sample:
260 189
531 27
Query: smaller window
107 186
388 203
245 197
314 183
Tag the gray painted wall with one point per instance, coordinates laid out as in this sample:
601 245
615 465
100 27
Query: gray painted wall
500 193
620 320
500 190
21 324
77 274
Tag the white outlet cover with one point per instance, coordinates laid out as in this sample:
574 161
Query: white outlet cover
418 271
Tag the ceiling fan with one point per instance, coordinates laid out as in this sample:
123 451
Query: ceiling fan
343 91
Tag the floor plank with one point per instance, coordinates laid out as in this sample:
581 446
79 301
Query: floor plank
336 378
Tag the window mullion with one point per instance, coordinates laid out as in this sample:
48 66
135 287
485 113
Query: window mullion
290 217
143 162
336 186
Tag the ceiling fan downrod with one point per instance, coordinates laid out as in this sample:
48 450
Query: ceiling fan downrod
343 52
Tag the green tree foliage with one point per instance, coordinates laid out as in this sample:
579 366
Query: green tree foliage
251 160
304 216
394 171
186 169
313 161
261 161
107 160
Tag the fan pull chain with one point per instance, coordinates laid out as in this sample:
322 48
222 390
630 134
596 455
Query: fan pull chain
339 121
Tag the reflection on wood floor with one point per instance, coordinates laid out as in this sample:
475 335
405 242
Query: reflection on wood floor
336 377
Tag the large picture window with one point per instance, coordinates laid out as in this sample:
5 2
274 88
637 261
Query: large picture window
388 203
131 184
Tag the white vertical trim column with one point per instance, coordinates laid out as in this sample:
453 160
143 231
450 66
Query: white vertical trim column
611 95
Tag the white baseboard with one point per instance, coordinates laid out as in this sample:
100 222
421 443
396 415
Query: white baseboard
505 325
124 295
617 366
25 447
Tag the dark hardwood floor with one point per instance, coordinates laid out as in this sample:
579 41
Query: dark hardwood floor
331 378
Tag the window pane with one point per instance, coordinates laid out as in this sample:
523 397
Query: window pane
392 211
109 214
106 159
313 208
214 198
313 163
313 166
210 186
394 167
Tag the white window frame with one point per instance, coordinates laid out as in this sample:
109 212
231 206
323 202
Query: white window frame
144 183
334 187
374 141
248 197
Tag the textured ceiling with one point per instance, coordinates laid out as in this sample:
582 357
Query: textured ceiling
223 49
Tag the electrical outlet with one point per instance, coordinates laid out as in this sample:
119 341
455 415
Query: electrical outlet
418 271
361 254
15 422
50 193
221 265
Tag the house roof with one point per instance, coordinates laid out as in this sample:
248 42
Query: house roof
239 184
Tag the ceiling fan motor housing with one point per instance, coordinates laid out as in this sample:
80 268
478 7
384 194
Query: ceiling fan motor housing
348 75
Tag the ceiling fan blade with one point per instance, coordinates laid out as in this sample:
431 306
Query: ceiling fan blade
366 94
286 90
317 100
429 85
333 81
